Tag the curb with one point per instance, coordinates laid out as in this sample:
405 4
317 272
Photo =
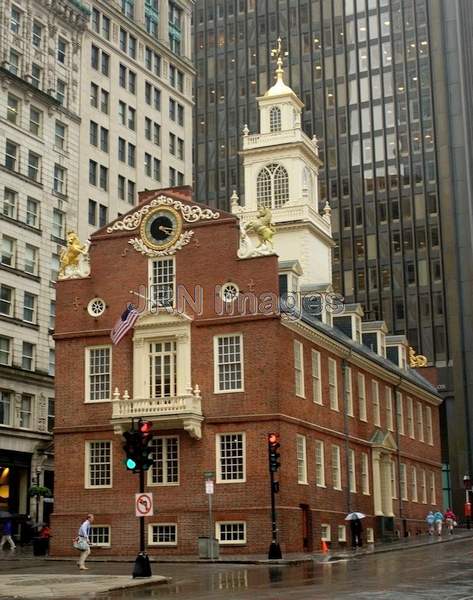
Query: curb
316 557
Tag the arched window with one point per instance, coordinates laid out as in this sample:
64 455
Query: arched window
272 187
275 119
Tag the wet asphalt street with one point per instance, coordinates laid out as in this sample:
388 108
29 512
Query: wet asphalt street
439 571
442 571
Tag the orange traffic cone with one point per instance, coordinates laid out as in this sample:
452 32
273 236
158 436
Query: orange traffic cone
324 546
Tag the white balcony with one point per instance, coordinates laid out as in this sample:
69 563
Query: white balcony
252 141
176 412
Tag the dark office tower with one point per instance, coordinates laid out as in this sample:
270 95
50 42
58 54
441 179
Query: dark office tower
386 88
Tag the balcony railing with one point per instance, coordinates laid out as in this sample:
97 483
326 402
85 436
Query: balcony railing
176 412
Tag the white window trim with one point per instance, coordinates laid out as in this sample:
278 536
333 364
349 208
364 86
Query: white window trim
297 344
365 466
150 482
400 413
343 531
302 481
338 486
98 545
375 403
87 399
414 485
419 412
389 409
433 490
333 406
150 278
316 381
150 535
362 398
404 484
320 444
87 485
218 525
215 361
217 457
352 471
429 425
369 535
349 392
327 537
411 426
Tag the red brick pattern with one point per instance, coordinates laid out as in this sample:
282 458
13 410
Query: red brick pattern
268 403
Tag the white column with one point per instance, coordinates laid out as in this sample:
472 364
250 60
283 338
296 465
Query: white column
386 491
377 497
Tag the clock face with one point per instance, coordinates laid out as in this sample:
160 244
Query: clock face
161 228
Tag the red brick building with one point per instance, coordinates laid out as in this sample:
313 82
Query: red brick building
358 432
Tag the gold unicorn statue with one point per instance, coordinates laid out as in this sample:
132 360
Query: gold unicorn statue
416 360
70 255
263 227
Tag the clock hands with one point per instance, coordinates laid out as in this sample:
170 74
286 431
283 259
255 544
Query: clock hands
165 229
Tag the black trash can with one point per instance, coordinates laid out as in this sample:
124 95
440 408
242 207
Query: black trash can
40 546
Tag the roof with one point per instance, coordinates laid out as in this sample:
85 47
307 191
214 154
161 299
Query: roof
409 374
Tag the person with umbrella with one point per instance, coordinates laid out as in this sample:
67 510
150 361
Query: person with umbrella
356 528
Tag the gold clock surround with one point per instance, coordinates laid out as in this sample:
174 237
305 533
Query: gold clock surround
173 216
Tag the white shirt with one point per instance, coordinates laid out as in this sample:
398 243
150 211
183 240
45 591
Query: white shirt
84 529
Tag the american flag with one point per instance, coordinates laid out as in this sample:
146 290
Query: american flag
124 323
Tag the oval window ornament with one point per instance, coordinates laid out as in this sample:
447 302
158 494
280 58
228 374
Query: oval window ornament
96 307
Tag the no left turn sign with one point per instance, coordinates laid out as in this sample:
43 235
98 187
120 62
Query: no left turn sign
144 505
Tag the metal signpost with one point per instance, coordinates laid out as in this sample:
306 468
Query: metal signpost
209 490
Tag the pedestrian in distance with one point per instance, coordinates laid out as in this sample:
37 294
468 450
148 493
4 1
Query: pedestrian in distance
430 522
7 535
450 520
438 522
356 533
82 542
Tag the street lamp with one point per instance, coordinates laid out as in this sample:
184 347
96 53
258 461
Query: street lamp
467 486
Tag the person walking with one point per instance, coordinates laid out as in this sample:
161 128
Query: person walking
84 541
356 533
7 535
438 522
450 520
430 522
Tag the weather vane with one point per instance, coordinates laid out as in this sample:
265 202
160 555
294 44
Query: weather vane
279 54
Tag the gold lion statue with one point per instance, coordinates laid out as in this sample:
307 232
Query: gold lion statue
416 360
263 227
70 255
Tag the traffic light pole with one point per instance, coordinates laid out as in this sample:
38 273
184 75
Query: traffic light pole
274 548
141 519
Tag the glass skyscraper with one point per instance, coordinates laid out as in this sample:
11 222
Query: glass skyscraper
386 88
363 70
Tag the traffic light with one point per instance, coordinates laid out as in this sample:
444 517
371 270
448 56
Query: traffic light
274 456
146 434
137 449
132 449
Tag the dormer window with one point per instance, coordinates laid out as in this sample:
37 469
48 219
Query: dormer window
275 119
272 187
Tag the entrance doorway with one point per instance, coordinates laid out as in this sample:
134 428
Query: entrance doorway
307 542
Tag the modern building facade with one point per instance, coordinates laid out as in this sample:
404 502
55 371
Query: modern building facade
136 105
39 141
382 86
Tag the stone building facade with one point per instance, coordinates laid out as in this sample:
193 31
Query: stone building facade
136 105
39 141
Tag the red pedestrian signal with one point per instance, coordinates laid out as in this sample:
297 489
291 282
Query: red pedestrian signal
137 449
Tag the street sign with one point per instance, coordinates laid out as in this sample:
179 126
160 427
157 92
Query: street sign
209 486
144 505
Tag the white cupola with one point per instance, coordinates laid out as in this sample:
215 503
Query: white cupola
281 166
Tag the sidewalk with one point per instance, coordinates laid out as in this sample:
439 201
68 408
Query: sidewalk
289 558
39 586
